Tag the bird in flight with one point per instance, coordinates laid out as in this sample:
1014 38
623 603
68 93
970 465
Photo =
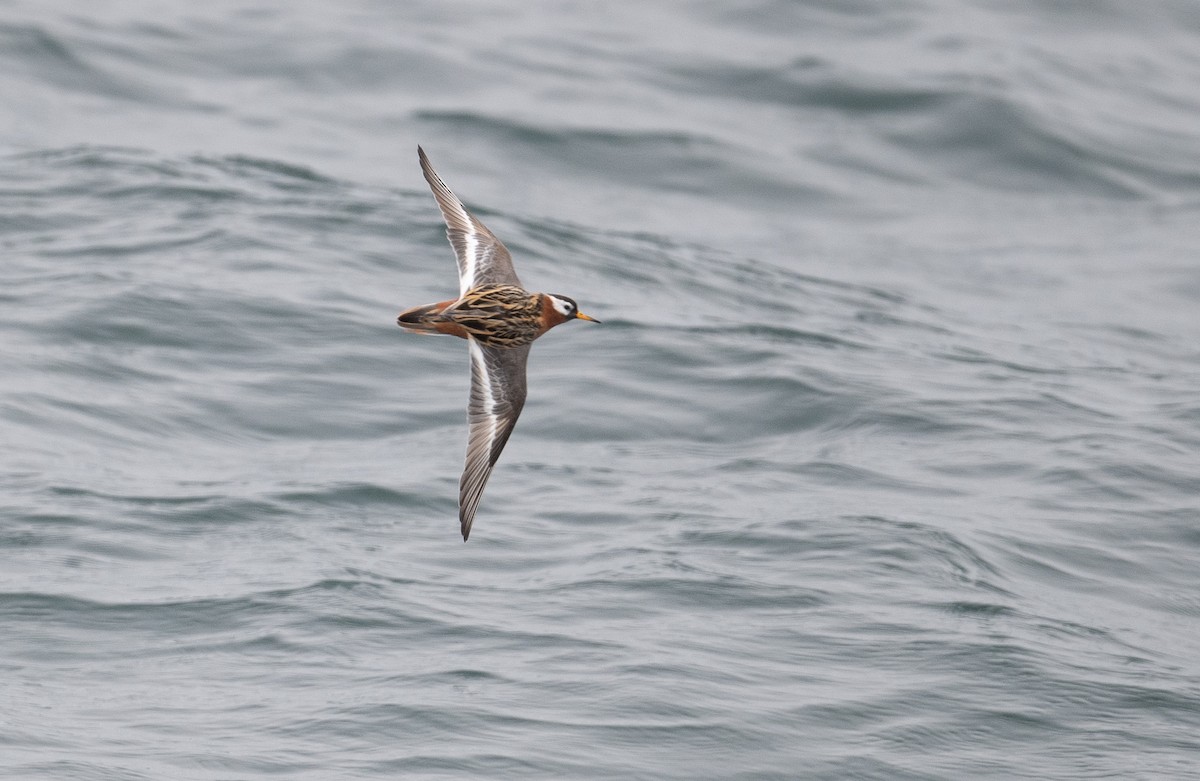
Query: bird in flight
500 320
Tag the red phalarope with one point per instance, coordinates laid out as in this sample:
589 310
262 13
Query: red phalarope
500 320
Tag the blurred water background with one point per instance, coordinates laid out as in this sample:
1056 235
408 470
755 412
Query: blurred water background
884 464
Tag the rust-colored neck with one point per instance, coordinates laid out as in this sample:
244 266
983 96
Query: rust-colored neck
550 316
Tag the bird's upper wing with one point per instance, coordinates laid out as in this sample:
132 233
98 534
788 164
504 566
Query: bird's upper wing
482 258
497 395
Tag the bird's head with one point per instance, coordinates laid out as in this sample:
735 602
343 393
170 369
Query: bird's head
567 309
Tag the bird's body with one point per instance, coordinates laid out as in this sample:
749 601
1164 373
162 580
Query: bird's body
493 315
500 320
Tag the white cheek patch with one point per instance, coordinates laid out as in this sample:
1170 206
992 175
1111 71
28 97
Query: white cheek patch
562 307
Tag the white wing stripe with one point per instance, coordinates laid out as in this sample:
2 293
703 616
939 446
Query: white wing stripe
489 399
470 260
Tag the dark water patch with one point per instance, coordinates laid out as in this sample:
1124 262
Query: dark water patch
179 320
281 176
151 247
810 82
61 63
968 355
71 769
766 338
202 516
718 594
856 17
1077 567
989 140
677 163
166 618
541 138
976 609
1087 484
826 473
352 495
191 193
927 552
92 156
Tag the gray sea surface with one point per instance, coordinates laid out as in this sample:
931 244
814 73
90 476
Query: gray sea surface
885 463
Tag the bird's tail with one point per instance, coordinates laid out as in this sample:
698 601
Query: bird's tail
423 319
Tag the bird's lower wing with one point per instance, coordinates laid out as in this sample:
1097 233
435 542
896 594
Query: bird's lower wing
497 396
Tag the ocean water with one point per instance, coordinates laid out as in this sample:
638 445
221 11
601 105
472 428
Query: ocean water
885 463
